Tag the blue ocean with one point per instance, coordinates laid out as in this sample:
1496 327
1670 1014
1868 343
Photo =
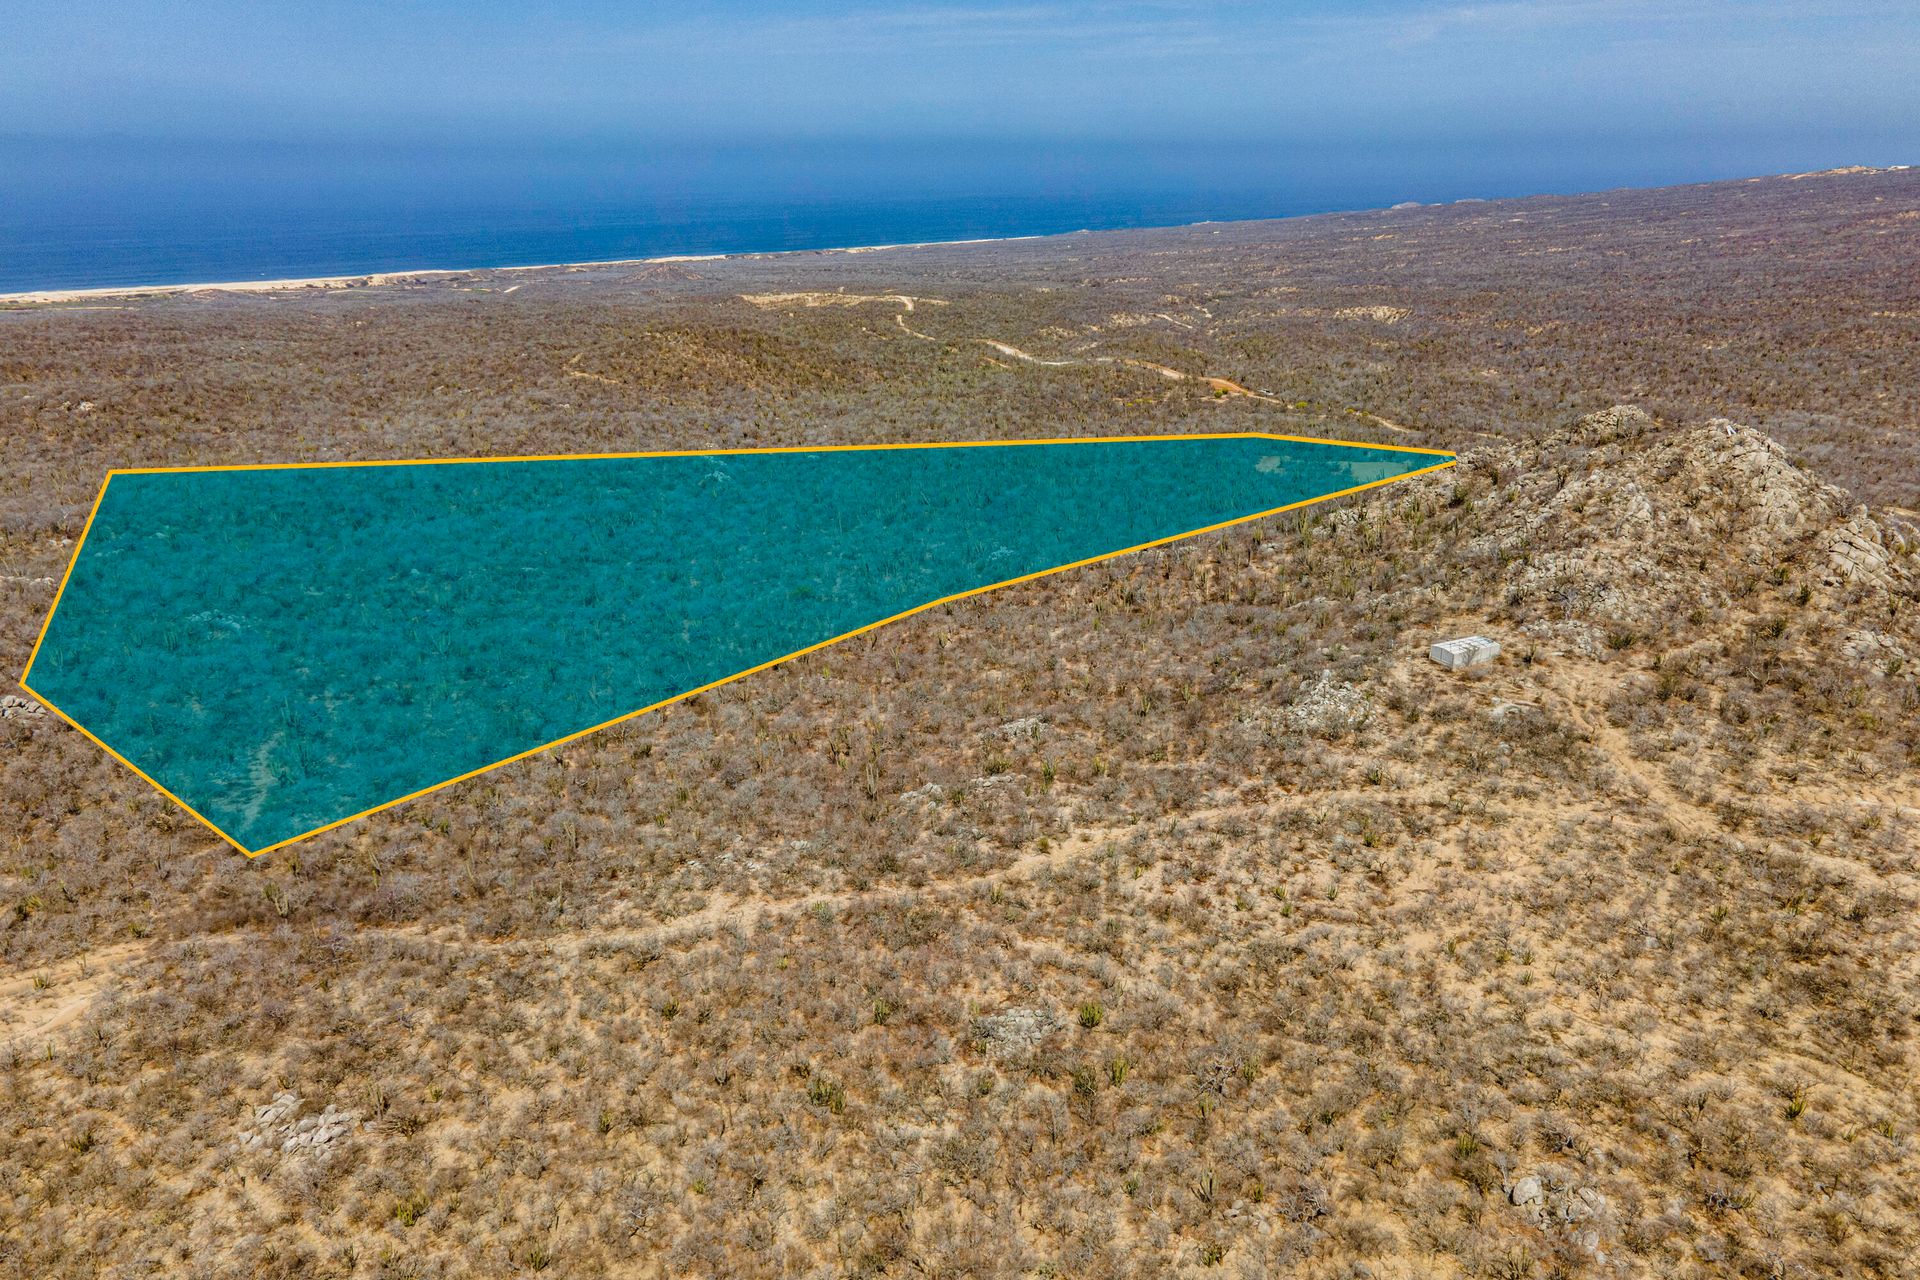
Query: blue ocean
113 212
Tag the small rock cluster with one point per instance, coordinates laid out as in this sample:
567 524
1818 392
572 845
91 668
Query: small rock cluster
1328 706
1867 645
12 707
279 1126
1024 727
1554 1197
1016 1030
1324 706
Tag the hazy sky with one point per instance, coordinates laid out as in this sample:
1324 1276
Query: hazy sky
1556 74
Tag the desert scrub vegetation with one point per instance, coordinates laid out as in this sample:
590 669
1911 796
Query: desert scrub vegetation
1171 917
1535 971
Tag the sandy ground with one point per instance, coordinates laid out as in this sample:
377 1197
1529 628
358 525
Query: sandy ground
37 1004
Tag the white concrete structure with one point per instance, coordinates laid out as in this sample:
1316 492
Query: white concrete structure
1467 651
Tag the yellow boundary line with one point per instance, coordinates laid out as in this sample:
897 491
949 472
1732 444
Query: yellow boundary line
142 774
817 448
738 675
99 495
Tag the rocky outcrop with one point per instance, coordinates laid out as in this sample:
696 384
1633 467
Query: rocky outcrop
1615 519
279 1128
1862 551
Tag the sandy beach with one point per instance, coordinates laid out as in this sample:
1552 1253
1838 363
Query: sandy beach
376 278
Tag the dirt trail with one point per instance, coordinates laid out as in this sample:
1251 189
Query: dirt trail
1391 425
1225 388
572 372
1586 709
37 1004
1221 386
770 300
725 910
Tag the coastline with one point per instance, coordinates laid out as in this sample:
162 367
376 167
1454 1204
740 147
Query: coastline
374 279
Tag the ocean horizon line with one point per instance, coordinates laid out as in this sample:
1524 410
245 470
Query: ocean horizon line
13 299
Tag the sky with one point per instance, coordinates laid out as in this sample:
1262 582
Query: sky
474 72
146 106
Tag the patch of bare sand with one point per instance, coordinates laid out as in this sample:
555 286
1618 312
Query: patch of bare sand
40 1004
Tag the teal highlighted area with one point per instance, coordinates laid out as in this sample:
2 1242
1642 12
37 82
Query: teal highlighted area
282 649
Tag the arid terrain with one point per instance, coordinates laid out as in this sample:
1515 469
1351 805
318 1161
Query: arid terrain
1170 917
